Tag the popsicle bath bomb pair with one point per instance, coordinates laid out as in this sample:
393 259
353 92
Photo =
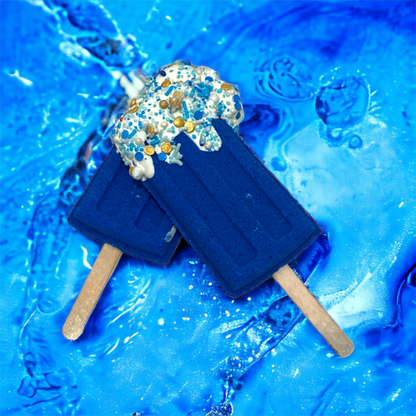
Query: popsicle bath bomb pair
179 140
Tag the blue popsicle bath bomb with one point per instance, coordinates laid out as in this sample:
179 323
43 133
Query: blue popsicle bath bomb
235 214
118 210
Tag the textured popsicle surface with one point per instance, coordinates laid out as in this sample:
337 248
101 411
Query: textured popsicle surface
239 219
118 210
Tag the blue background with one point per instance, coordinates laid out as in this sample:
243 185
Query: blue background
329 95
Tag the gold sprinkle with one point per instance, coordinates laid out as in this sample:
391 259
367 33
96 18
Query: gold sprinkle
134 109
133 102
149 150
226 87
174 103
166 83
163 104
166 147
131 170
190 125
150 129
179 95
178 122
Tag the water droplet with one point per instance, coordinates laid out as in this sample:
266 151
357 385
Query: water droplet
355 142
343 102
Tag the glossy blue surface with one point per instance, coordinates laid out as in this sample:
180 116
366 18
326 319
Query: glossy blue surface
329 93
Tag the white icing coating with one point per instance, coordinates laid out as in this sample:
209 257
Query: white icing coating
178 98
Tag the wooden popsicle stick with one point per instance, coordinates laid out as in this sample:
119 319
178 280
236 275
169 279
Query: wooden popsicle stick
314 311
89 296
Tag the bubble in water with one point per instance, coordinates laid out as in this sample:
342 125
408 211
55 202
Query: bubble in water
335 135
278 164
288 79
343 102
355 142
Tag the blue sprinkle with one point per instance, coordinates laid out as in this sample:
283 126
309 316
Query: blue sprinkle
139 156
132 133
157 89
238 115
198 89
198 115
125 134
187 62
210 79
155 141
236 98
237 106
162 156
119 115
169 90
192 92
140 124
185 109
194 136
162 72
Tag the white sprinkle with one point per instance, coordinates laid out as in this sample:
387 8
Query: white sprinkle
161 321
190 287
401 204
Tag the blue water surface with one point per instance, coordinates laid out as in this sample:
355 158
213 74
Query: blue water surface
329 96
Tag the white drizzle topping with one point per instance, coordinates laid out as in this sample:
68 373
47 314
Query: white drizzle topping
178 98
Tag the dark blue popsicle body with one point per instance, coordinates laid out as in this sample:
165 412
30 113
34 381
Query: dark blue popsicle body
118 210
235 214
